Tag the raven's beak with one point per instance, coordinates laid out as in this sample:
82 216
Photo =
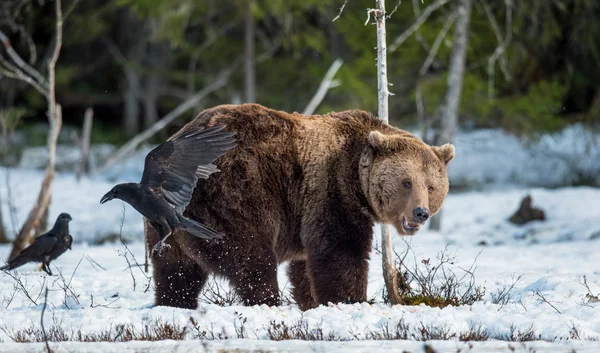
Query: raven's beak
69 218
107 197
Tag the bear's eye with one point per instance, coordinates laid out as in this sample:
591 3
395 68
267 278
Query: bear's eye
407 184
430 189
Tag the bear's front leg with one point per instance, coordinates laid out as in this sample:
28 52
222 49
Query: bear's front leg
338 255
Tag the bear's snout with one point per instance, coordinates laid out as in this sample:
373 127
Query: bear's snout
421 214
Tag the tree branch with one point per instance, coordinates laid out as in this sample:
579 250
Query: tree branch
502 45
341 10
9 70
417 13
325 85
70 9
130 146
437 43
415 26
33 73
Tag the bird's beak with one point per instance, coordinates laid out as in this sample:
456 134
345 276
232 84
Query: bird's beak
107 197
69 219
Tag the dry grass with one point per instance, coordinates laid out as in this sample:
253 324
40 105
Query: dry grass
155 330
299 330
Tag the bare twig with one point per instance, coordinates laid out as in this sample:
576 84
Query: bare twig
124 254
504 295
23 286
415 26
127 252
94 263
108 305
66 286
542 298
7 301
590 296
341 10
324 87
395 8
48 350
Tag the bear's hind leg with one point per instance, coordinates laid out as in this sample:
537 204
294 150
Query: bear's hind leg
255 280
301 286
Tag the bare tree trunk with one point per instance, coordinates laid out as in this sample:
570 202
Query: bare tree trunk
250 57
33 221
388 263
149 99
449 111
84 164
131 107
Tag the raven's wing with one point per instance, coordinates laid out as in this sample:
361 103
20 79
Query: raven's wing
173 168
41 246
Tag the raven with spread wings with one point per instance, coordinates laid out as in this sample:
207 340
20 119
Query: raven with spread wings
171 172
45 248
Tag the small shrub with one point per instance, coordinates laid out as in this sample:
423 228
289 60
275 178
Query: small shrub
518 335
474 333
436 285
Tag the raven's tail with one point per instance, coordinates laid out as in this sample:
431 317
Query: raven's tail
197 229
14 263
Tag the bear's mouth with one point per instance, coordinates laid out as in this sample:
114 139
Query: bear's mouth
410 227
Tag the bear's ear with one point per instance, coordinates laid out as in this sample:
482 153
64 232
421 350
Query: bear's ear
378 141
445 152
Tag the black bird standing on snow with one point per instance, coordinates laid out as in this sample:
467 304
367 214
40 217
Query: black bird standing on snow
47 247
171 172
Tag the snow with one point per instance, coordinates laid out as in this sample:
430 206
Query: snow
550 258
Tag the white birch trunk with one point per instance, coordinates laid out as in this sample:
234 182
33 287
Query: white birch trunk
388 263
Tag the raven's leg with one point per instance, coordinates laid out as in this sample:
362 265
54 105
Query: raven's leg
46 268
164 228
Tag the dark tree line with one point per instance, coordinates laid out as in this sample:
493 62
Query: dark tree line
530 65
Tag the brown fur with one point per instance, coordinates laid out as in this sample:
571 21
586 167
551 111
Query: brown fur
303 189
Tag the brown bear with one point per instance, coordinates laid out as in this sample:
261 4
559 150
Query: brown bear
305 190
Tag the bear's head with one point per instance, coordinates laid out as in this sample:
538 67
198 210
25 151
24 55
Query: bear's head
404 179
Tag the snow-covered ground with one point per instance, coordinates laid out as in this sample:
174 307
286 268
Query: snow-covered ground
550 258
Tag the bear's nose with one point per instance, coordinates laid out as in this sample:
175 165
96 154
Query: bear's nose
421 214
